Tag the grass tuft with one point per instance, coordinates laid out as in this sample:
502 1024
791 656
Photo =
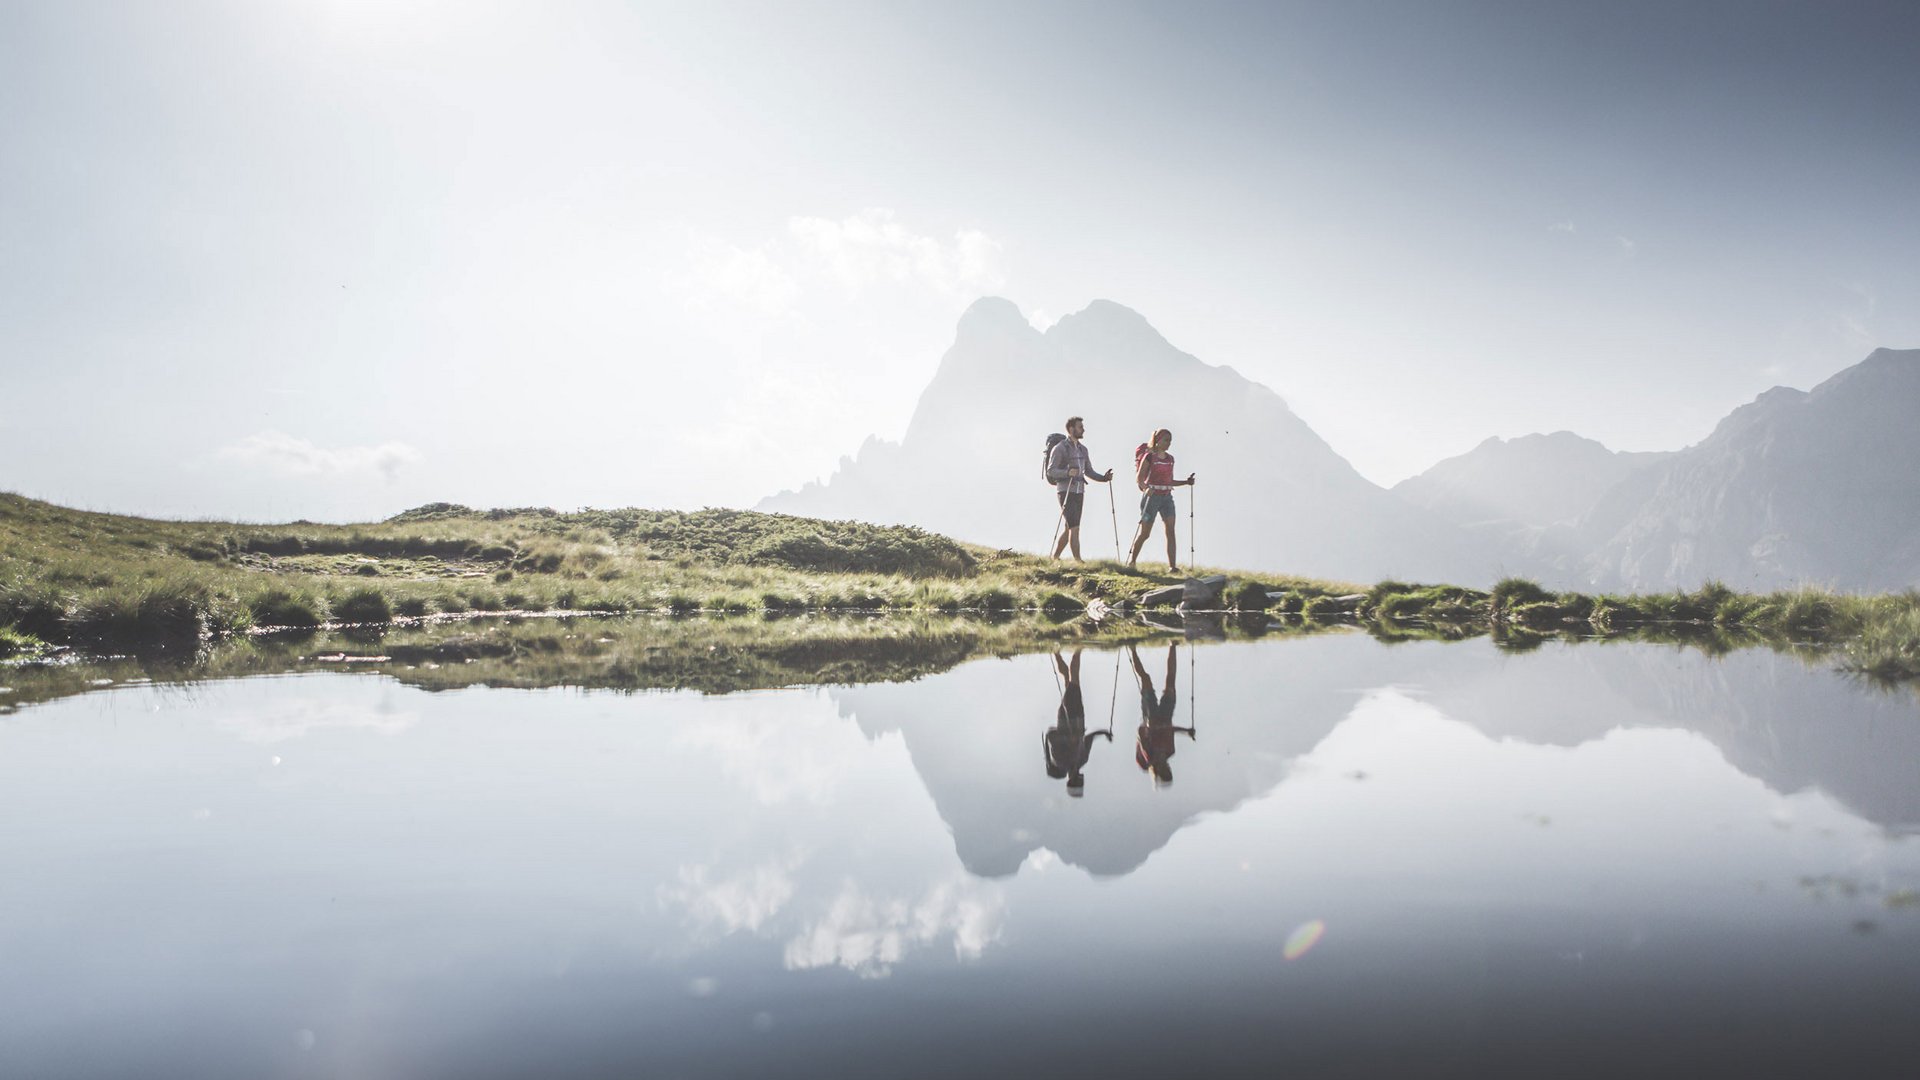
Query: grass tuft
285 608
365 605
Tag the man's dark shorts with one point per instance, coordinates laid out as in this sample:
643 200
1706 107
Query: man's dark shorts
1160 504
1070 508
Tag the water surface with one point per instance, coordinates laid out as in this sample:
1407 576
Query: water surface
1320 855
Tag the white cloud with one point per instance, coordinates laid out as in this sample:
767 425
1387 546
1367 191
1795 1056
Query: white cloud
1855 321
744 901
723 275
780 757
872 247
852 257
288 719
868 935
1563 226
1627 247
280 452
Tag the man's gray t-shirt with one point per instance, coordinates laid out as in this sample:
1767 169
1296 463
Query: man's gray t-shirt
1068 454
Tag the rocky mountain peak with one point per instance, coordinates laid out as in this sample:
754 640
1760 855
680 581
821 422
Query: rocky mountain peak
992 317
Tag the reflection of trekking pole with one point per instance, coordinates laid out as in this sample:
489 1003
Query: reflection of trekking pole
1113 516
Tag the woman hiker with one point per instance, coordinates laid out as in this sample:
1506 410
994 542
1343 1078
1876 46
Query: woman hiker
1154 474
1069 468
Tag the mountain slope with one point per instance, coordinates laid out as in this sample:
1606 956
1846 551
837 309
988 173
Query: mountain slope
1796 487
1272 493
1536 480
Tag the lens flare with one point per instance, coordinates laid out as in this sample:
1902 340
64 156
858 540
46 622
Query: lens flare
1304 938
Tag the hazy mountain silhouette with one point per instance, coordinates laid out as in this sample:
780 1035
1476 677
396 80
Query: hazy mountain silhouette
1796 487
1536 480
1272 493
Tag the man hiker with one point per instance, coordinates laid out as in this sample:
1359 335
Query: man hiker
1069 468
1068 743
1154 474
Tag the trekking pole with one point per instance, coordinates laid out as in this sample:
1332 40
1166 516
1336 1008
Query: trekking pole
1193 492
1113 516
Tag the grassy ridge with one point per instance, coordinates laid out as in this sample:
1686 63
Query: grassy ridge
70 577
73 577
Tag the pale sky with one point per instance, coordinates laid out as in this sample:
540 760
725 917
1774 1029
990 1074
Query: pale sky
330 260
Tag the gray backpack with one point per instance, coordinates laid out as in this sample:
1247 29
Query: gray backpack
1046 456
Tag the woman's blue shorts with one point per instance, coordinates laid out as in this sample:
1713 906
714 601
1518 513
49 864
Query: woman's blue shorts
1160 503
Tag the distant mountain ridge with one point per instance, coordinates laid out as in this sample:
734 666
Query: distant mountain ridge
1533 480
1796 487
1272 493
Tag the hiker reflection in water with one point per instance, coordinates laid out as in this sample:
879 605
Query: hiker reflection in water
1067 742
1155 745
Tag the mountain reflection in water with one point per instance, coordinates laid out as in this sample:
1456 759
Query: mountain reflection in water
1315 852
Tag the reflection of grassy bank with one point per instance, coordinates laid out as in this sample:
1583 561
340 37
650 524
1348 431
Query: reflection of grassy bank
714 654
727 653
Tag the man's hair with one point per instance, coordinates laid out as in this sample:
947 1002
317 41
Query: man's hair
1072 420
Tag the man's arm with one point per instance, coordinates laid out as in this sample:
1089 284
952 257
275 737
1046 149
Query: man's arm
1092 473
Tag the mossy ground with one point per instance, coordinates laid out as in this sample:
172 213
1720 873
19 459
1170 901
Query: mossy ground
71 577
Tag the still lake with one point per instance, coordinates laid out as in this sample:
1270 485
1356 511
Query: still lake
1319 855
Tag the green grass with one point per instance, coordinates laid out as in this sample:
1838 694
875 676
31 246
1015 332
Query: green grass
70 577
18 645
1887 646
363 606
76 577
